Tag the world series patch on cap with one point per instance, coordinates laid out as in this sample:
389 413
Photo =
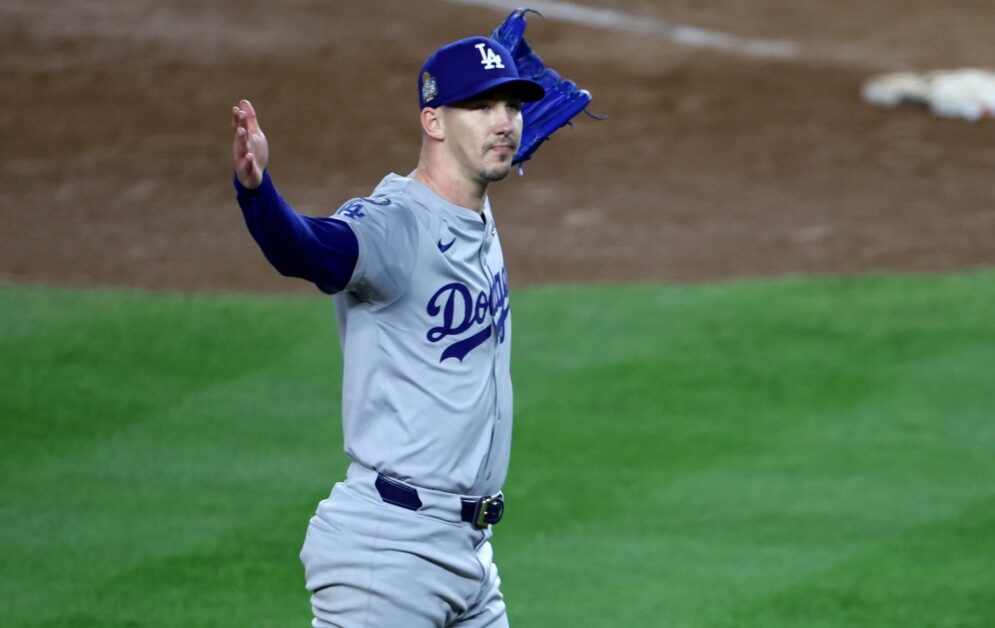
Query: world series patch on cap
470 67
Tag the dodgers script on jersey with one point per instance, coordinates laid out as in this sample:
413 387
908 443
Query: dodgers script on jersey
425 327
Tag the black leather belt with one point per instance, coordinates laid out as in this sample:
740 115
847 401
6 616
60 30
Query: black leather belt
480 512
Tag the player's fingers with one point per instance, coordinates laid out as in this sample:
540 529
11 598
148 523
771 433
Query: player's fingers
241 143
240 117
251 121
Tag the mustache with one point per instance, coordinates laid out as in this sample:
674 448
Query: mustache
510 143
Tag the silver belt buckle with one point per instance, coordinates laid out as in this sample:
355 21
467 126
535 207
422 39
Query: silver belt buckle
483 509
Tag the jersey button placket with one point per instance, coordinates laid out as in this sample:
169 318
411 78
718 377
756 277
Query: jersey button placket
485 249
489 232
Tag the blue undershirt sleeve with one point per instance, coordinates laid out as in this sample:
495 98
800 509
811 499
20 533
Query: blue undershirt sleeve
321 250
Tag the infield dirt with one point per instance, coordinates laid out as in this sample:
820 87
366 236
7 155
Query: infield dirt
115 119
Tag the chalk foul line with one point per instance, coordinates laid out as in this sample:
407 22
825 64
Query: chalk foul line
684 35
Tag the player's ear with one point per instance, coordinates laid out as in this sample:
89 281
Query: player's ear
431 123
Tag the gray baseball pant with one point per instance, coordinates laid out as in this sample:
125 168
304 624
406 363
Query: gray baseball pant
370 564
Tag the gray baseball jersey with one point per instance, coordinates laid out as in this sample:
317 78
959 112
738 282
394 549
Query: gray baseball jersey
425 328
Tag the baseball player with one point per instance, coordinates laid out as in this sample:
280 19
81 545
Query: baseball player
422 305
421 301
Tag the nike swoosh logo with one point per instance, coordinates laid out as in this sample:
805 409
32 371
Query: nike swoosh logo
446 247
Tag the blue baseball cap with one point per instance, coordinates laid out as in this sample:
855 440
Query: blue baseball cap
469 67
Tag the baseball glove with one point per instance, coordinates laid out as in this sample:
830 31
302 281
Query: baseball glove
563 99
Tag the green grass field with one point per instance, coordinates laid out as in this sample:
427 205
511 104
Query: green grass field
765 453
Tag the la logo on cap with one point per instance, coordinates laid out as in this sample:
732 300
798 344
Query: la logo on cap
488 57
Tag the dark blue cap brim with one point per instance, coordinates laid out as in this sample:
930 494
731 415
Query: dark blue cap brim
525 89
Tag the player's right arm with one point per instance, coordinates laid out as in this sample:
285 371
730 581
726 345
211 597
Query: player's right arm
320 250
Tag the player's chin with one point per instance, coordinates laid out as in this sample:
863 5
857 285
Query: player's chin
496 172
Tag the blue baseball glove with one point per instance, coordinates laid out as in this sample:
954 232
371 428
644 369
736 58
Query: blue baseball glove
563 99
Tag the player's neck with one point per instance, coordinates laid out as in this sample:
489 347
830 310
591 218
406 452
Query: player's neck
456 190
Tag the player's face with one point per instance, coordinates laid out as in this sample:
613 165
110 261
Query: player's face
484 134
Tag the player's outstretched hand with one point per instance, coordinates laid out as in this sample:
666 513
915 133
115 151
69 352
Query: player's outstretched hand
250 148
